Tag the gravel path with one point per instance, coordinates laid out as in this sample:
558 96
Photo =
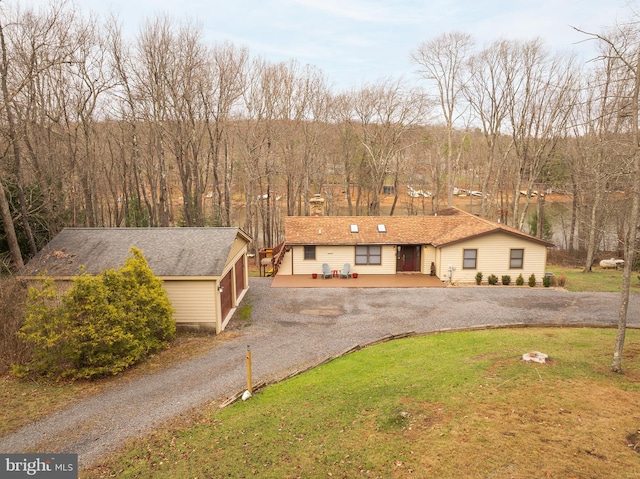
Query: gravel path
294 329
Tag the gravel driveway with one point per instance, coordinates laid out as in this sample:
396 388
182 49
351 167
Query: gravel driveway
291 330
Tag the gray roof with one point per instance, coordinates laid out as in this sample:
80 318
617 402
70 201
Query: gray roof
169 251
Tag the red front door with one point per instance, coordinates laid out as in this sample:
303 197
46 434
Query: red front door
408 258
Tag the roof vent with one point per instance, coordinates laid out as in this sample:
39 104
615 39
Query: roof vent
382 228
354 228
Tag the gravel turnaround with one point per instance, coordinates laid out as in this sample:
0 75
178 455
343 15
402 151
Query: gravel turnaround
292 330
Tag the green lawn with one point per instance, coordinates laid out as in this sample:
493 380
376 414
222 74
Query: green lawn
599 280
437 406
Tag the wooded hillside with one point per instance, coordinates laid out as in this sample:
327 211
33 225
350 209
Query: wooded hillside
163 129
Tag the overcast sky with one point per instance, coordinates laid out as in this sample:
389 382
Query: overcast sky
359 41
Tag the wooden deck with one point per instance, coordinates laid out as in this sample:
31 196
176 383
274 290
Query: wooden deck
400 280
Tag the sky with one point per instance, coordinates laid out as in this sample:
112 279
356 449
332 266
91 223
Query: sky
356 42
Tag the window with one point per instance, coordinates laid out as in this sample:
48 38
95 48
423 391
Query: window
382 228
368 255
354 228
470 257
310 252
516 259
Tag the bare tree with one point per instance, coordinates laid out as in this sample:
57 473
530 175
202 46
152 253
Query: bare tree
487 94
622 46
349 148
152 62
597 147
256 155
382 114
444 61
137 207
541 94
31 45
226 83
7 219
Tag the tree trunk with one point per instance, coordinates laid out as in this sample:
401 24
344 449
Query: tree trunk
574 214
629 250
591 244
10 232
540 225
629 247
13 138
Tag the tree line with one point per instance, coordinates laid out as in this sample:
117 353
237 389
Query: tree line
163 129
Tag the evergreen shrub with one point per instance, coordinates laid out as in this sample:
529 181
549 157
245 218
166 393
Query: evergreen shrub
101 326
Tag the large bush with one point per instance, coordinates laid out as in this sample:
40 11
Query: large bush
100 326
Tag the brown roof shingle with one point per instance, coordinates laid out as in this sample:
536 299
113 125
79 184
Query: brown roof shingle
452 226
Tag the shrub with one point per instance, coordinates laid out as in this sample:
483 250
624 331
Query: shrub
562 280
492 279
506 280
520 280
532 280
478 278
102 325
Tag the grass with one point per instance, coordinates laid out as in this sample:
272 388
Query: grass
444 405
599 280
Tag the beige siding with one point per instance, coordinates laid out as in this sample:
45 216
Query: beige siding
286 266
336 257
428 257
238 248
493 253
439 272
193 301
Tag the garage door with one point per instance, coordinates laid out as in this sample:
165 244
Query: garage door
239 271
226 296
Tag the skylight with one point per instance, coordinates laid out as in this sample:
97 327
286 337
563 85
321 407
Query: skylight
354 228
382 228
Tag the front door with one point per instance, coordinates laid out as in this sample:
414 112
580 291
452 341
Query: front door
408 258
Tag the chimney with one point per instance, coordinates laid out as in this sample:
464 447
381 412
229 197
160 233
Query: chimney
316 205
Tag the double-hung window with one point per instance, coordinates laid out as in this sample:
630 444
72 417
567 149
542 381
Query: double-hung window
516 259
310 252
469 259
368 254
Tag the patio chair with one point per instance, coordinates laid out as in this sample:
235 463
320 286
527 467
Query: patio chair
346 271
326 271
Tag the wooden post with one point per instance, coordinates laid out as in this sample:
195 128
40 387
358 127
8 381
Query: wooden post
249 385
